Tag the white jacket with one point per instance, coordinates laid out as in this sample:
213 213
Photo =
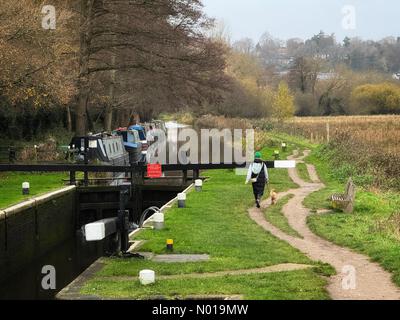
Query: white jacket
255 168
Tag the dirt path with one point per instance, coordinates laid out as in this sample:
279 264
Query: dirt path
371 281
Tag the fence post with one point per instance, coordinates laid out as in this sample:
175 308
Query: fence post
11 154
196 174
184 178
86 173
35 147
328 132
72 178
123 217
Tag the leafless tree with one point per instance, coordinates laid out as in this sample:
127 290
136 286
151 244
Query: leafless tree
159 46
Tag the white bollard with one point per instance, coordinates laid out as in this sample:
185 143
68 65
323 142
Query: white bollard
101 229
158 220
198 185
181 200
147 277
25 188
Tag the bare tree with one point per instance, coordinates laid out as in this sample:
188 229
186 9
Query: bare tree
245 46
159 43
304 74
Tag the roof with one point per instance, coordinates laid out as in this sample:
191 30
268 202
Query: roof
136 127
131 145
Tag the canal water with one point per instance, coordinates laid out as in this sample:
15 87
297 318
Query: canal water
69 259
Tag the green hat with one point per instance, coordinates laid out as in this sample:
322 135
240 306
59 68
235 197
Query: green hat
258 155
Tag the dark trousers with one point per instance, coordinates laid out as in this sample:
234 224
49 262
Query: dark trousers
258 190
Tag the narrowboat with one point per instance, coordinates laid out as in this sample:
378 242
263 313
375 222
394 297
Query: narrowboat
132 144
143 139
100 149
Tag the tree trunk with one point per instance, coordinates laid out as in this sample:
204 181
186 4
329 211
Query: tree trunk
84 81
121 118
80 112
89 121
126 118
69 119
110 106
134 118
108 118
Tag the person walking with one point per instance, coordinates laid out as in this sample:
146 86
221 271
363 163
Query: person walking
258 175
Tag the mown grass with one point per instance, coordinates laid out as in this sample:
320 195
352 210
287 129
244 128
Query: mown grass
320 199
370 230
294 285
216 222
11 186
303 172
279 179
276 217
298 142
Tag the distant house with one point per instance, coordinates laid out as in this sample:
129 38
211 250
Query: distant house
282 74
278 57
321 76
326 75
322 56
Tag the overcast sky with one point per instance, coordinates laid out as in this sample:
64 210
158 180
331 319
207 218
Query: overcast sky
375 19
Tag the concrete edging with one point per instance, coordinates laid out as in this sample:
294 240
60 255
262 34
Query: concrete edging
36 201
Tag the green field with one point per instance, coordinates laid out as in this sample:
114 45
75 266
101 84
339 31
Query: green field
11 186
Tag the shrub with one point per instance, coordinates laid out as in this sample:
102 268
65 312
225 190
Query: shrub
381 98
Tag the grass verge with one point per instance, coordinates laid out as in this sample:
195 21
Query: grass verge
294 285
373 228
275 216
215 222
303 172
11 186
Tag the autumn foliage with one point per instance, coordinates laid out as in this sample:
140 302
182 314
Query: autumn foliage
381 98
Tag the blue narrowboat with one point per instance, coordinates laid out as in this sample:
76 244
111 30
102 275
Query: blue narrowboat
132 144
143 138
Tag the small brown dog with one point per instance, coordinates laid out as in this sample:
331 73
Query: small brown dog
274 197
